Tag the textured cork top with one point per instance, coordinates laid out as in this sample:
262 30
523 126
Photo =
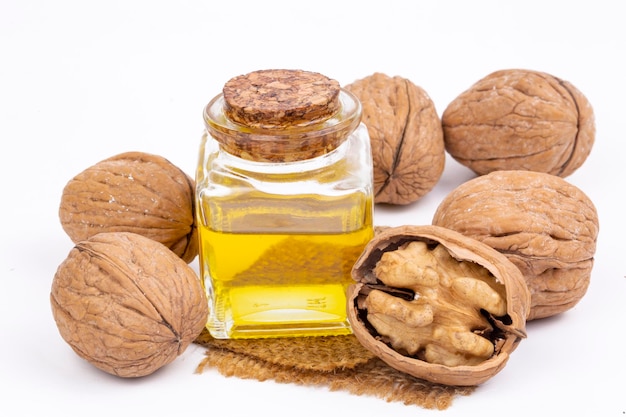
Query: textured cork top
280 98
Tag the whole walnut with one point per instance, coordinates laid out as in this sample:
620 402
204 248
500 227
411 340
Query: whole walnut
546 226
133 192
126 303
406 136
519 119
437 305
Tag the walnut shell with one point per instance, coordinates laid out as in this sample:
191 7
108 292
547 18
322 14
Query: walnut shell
133 192
406 135
127 304
507 331
543 224
520 119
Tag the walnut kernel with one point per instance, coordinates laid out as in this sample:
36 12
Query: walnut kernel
443 322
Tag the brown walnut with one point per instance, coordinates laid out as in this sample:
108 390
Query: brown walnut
406 136
133 192
519 119
438 305
127 304
546 226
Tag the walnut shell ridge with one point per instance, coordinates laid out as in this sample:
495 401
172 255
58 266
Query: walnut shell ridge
512 327
406 136
127 304
546 226
519 119
133 192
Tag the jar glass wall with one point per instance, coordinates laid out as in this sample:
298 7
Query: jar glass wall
278 238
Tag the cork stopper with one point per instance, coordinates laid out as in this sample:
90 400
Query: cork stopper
279 98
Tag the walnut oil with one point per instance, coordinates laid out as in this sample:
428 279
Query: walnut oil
284 204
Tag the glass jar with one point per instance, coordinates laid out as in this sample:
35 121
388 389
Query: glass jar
284 204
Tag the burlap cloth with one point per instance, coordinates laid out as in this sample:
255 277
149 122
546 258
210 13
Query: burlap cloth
338 362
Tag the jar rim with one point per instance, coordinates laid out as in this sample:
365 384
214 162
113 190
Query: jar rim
283 144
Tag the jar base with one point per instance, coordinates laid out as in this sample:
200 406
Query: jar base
260 311
269 331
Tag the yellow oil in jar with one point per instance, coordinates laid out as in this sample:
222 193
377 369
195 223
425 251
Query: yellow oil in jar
271 285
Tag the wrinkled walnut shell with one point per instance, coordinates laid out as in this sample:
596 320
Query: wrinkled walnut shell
546 226
512 326
133 192
406 136
520 119
127 304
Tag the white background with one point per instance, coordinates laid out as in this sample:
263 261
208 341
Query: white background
84 80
